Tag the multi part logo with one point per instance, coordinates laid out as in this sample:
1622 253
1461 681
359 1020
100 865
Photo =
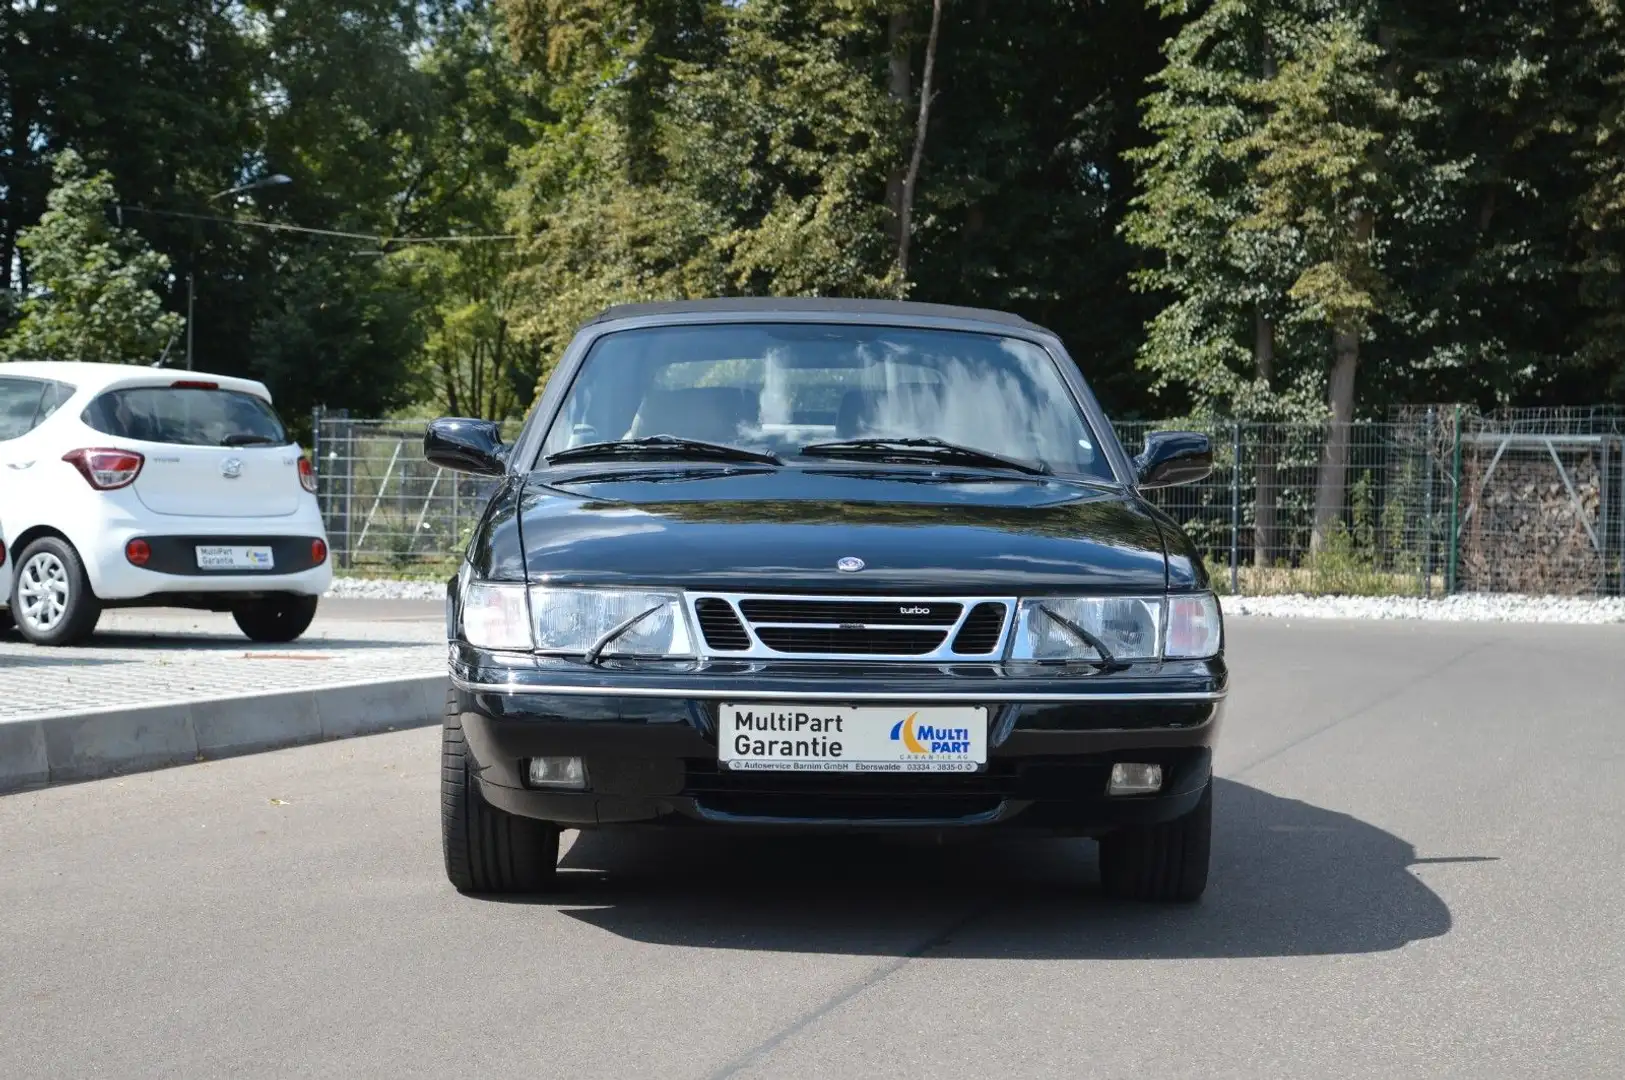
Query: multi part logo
926 739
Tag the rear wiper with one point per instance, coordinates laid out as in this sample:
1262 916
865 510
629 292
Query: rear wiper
661 446
247 439
931 449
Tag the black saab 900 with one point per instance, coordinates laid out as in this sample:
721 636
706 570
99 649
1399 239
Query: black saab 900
827 565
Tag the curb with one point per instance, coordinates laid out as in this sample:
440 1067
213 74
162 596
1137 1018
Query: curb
104 742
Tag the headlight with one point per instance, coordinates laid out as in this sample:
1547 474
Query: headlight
1048 628
569 621
1129 627
575 620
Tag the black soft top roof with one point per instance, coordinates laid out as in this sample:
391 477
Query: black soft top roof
805 305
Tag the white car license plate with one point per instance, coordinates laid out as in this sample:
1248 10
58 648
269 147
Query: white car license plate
234 558
776 737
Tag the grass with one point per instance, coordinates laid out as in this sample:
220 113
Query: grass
1319 581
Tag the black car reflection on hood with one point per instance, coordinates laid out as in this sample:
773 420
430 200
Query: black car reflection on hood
754 529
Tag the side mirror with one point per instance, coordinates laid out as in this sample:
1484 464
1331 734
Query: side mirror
470 446
1173 457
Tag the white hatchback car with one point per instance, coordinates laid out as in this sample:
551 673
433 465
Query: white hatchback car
134 487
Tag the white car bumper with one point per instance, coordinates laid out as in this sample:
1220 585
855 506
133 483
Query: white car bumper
172 566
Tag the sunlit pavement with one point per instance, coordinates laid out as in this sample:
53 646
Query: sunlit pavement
1418 872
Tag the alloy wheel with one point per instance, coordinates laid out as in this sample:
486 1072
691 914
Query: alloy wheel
42 591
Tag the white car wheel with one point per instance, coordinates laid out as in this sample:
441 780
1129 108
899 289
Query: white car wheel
51 599
43 592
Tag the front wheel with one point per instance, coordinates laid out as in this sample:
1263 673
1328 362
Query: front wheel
50 596
1164 863
487 850
276 619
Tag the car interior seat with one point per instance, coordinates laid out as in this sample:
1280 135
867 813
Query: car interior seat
711 413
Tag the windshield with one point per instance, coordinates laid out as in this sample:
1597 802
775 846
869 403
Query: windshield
777 388
186 416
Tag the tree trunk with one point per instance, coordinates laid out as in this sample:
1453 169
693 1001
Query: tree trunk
900 88
1340 396
1264 490
499 379
905 226
1334 465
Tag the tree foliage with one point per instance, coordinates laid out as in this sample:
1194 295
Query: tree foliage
91 296
1276 208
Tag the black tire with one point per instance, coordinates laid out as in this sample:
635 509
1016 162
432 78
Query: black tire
51 566
487 850
1164 863
276 619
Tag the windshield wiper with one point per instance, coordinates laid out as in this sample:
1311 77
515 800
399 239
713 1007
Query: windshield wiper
661 446
1107 661
248 439
928 448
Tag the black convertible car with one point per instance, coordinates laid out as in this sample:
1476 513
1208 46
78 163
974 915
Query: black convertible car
818 564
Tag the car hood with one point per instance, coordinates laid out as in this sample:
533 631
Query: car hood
752 530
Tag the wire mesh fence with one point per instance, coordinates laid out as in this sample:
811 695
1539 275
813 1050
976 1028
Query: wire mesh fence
1433 500
388 511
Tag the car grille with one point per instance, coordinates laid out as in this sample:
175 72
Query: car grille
891 612
722 629
854 640
982 630
835 627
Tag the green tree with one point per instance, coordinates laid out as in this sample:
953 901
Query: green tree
91 297
1321 163
1228 280
1274 163
473 363
338 331
1024 179
794 138
1600 51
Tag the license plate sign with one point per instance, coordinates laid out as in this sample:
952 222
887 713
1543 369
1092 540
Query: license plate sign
234 558
832 738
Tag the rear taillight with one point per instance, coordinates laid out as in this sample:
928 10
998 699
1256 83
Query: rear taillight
193 384
307 475
106 470
2 552
138 552
318 552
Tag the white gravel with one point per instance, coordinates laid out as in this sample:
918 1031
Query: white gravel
1469 607
351 588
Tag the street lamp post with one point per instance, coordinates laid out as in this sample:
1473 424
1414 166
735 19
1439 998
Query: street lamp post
274 180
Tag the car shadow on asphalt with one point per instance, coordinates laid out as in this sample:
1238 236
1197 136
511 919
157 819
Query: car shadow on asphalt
1288 879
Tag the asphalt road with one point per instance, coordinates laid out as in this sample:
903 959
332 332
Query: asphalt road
1419 868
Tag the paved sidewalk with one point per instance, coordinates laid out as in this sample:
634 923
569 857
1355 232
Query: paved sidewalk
159 687
142 658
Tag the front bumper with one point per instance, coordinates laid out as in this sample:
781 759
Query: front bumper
649 744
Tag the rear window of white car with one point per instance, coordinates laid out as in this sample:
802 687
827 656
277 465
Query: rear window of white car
186 416
26 402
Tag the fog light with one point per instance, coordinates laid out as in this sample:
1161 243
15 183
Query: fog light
559 772
1132 778
138 552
